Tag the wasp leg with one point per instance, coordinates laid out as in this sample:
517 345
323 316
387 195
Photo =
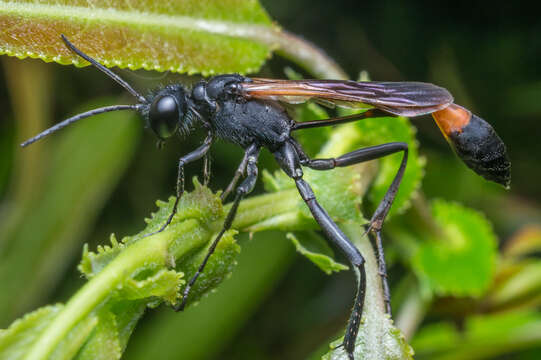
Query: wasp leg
372 113
186 159
289 159
359 156
382 269
240 171
244 188
206 169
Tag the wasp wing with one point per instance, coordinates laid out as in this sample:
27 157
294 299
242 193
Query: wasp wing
398 98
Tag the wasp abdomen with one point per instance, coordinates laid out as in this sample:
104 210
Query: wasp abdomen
475 142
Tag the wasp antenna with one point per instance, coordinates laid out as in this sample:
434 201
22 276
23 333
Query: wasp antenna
77 118
108 72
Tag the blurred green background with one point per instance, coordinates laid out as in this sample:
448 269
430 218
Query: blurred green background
486 54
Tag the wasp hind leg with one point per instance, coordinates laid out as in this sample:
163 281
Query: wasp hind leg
289 159
378 218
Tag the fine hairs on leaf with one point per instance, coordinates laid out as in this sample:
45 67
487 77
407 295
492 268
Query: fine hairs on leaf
182 36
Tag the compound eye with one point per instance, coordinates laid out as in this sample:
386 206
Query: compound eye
164 116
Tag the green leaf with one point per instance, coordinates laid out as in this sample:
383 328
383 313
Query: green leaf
481 337
460 260
316 249
339 191
14 341
312 140
181 36
164 284
200 204
208 329
93 262
219 266
103 344
69 346
378 131
125 278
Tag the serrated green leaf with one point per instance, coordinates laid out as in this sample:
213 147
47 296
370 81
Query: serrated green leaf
460 261
316 249
93 262
200 204
219 266
14 341
181 36
140 267
164 284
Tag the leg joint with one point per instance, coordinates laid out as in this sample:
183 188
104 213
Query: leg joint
305 190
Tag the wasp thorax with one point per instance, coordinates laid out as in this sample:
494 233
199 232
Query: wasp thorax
164 115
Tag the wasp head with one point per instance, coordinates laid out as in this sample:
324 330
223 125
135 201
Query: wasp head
167 112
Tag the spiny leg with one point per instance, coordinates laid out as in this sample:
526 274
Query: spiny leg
334 234
239 172
186 159
206 169
375 239
244 188
359 156
289 159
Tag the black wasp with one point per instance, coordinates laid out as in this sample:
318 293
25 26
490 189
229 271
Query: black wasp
247 112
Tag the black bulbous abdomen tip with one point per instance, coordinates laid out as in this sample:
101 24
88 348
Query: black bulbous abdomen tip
478 145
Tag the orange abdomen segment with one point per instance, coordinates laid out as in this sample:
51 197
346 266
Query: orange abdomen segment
475 142
452 119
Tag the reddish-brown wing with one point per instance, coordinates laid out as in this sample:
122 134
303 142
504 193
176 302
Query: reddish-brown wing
398 98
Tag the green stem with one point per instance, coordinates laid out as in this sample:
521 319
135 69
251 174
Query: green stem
307 55
152 249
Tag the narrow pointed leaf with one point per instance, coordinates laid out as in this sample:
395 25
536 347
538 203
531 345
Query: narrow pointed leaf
316 249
